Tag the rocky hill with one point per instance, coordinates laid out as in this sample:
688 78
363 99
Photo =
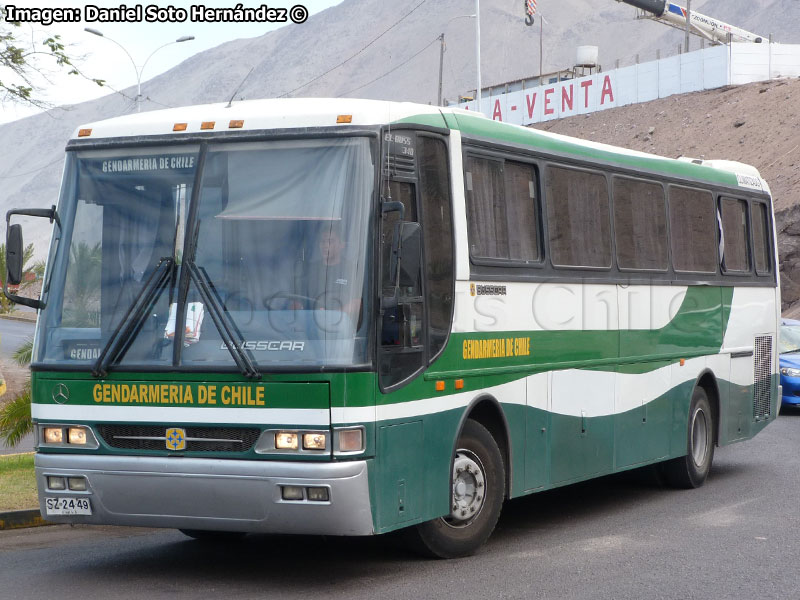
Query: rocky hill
757 124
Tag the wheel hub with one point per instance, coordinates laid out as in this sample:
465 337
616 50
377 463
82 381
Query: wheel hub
469 488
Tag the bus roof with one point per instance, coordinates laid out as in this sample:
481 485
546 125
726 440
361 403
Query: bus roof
288 113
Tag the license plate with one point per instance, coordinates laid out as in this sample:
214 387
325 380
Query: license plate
68 506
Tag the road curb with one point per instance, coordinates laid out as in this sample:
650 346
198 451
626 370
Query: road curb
16 318
19 519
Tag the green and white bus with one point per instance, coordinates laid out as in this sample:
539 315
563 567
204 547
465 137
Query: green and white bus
348 317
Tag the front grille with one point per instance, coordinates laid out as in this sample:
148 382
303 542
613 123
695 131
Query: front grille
198 438
762 377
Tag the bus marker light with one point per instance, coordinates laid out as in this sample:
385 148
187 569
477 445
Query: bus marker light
180 126
318 494
77 484
77 435
314 441
351 440
440 386
344 119
291 492
53 435
683 361
236 124
84 132
56 483
207 124
285 440
459 384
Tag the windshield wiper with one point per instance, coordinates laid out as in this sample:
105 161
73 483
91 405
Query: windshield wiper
222 321
135 314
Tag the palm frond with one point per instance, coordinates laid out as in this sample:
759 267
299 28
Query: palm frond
15 418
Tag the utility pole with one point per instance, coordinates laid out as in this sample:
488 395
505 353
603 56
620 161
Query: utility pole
541 47
441 66
688 23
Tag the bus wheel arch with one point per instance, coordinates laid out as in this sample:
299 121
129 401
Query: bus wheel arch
477 485
709 383
486 411
691 470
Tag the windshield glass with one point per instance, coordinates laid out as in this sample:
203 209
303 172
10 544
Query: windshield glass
789 340
280 231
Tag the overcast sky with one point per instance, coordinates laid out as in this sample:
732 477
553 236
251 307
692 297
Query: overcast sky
103 59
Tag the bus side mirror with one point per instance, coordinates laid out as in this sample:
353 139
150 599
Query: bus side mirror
14 252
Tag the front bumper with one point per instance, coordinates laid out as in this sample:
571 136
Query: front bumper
212 494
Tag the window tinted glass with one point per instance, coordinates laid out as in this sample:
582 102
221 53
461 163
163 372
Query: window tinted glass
735 255
501 209
486 211
693 229
578 218
640 223
761 243
437 233
521 211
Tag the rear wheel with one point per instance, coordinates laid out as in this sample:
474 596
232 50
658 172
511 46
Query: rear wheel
478 488
690 471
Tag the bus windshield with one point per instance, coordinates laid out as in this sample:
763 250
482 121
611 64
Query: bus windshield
267 258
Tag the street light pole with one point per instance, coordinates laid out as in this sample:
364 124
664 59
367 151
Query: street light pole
478 50
184 38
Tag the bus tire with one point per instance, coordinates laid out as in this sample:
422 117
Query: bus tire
690 471
205 535
477 492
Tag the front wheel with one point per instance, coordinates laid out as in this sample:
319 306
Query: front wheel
478 488
690 471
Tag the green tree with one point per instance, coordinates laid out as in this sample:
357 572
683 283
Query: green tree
6 305
23 62
15 417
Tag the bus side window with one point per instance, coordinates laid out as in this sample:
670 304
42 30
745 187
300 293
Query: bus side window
736 255
692 221
761 238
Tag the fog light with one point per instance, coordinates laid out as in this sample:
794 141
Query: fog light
77 484
56 483
285 440
291 492
314 441
318 494
77 435
53 435
351 440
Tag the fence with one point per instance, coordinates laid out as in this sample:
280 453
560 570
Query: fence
734 64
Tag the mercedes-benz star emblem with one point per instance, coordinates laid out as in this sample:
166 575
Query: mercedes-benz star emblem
60 393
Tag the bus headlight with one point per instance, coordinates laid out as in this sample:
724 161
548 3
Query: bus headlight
53 435
67 436
314 441
77 435
285 440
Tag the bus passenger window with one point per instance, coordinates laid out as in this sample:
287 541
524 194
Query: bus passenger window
761 238
640 225
502 210
578 218
735 255
692 221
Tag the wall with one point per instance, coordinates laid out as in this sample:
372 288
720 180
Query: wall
705 69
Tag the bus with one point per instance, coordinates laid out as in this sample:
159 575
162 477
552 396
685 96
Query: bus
349 317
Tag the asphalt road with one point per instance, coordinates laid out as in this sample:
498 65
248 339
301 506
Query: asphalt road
13 334
617 537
